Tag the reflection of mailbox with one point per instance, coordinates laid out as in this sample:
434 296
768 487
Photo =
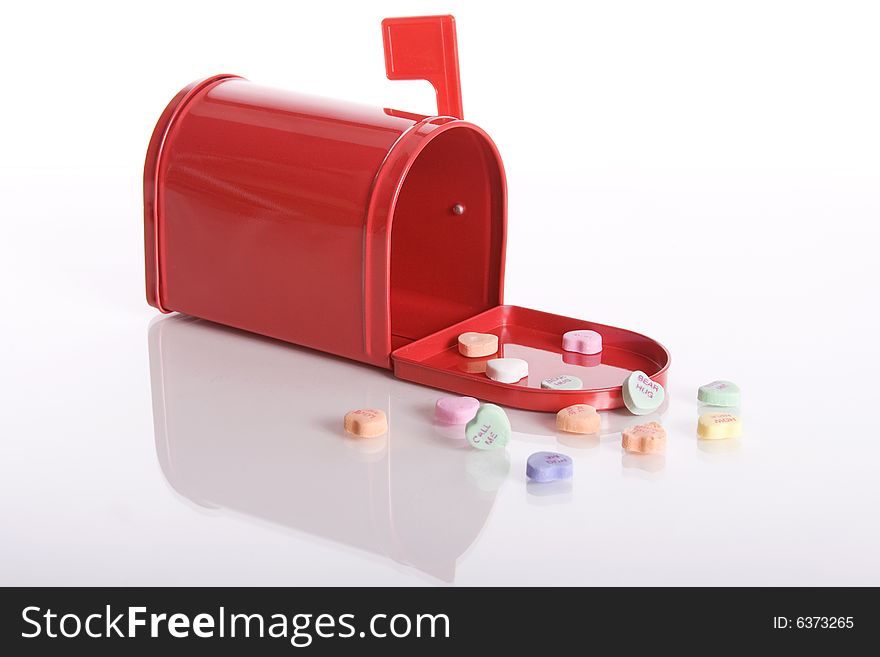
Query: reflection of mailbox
350 229
246 425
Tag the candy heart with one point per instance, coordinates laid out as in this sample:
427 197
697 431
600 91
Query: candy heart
366 422
562 382
649 438
507 370
455 410
474 345
579 418
582 341
641 395
490 428
719 393
718 426
548 466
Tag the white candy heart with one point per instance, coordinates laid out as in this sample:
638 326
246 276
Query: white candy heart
507 370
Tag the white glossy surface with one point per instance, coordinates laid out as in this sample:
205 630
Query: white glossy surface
749 200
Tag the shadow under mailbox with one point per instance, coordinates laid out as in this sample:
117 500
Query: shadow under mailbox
255 426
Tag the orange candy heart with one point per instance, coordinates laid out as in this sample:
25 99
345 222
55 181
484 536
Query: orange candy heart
648 438
475 345
366 423
579 418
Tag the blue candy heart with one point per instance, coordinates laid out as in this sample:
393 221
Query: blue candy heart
548 466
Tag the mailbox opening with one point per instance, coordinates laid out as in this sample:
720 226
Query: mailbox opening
447 235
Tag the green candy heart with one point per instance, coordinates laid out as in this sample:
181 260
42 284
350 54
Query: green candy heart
490 428
641 395
719 393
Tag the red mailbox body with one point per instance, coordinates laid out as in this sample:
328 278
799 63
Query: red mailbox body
351 229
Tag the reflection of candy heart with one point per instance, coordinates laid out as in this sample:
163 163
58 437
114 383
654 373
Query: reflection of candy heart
548 466
641 395
452 433
549 492
650 463
562 382
472 365
579 440
582 341
366 423
584 360
718 426
490 428
714 447
474 345
579 418
719 393
455 410
649 438
367 450
507 370
488 470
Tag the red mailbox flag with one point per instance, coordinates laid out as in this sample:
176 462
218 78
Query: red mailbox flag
424 48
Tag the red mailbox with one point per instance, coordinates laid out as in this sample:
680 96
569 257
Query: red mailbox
339 227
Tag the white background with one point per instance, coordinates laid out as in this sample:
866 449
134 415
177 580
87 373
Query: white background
707 173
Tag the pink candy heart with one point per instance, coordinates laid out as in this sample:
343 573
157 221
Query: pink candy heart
456 410
582 341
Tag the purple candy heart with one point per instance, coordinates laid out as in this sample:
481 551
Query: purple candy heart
548 466
456 410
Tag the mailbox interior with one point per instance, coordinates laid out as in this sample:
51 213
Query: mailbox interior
447 236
